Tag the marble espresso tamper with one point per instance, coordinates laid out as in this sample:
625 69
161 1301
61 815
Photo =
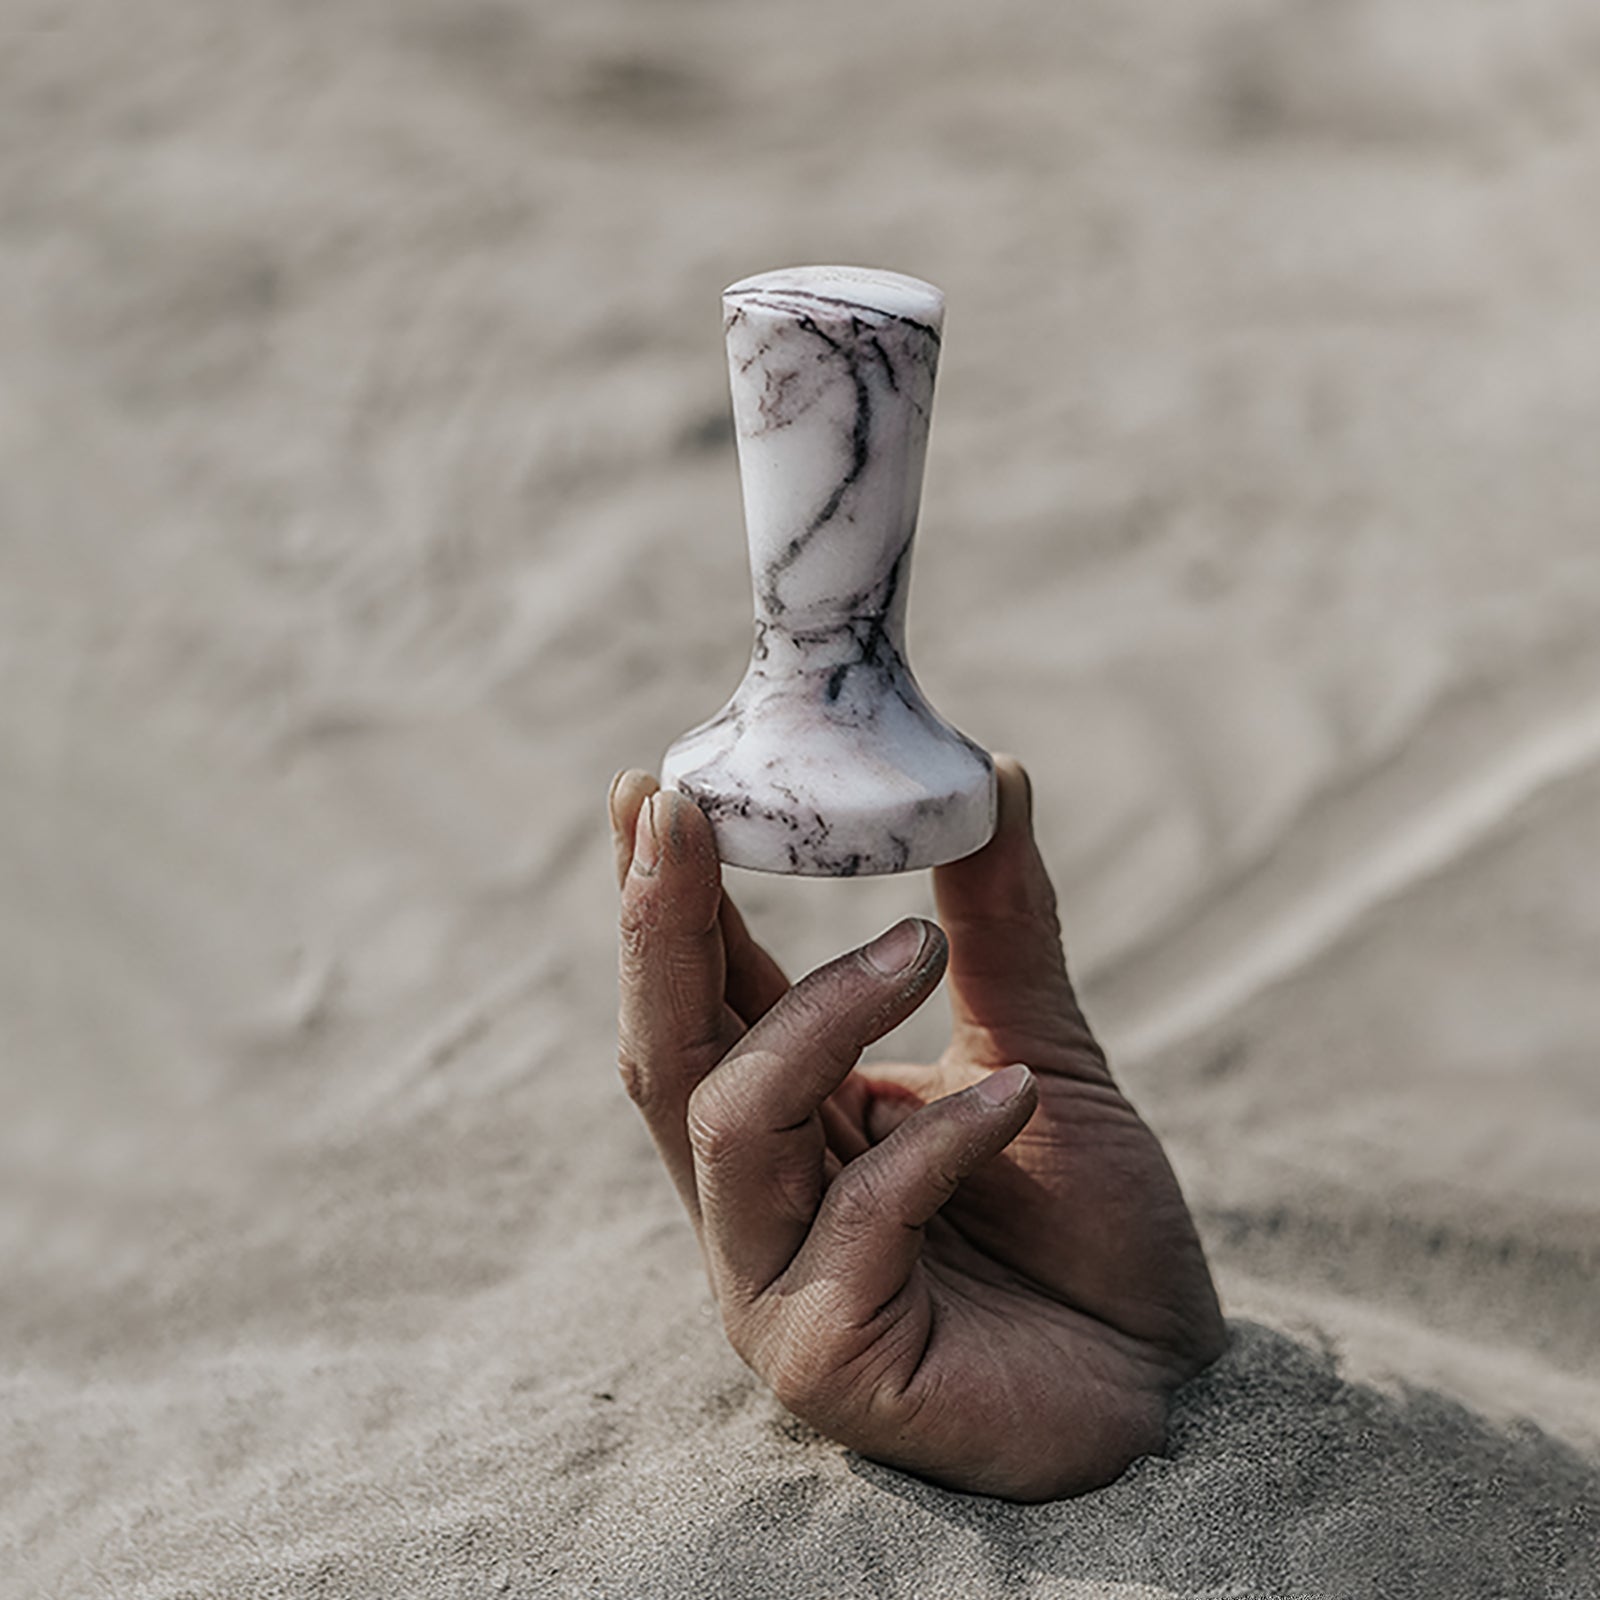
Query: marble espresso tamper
828 761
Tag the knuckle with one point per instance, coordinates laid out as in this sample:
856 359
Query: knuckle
794 1184
792 1373
807 1006
635 1079
820 1013
714 1133
942 1182
659 1068
860 1202
633 936
751 1328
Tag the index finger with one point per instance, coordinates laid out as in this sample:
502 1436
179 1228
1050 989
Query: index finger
673 1022
755 981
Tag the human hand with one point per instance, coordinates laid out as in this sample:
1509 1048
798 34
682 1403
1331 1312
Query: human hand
979 1273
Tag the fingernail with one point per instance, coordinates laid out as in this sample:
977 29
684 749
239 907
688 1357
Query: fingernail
646 841
611 793
894 951
1002 1087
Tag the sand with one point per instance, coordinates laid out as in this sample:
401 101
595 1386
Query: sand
366 499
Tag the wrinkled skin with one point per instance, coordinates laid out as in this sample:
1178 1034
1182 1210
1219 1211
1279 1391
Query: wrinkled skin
987 1277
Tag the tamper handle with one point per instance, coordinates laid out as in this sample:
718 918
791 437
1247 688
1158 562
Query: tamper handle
832 371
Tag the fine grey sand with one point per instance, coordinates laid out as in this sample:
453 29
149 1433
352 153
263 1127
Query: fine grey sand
367 499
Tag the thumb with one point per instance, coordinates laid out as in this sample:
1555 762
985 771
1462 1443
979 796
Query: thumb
1010 996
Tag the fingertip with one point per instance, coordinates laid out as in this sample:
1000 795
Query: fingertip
1013 832
675 856
629 791
1004 1102
1005 1087
668 827
913 950
894 950
1014 790
686 833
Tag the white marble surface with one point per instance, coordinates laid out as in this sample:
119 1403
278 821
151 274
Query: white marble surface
828 761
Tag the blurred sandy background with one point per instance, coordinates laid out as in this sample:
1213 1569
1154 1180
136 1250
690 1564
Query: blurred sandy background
366 499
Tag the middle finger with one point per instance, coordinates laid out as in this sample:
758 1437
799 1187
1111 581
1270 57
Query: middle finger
755 1124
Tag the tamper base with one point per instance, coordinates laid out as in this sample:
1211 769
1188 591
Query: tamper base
872 781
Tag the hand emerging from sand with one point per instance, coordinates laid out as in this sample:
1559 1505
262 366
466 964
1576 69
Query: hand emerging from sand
983 1274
